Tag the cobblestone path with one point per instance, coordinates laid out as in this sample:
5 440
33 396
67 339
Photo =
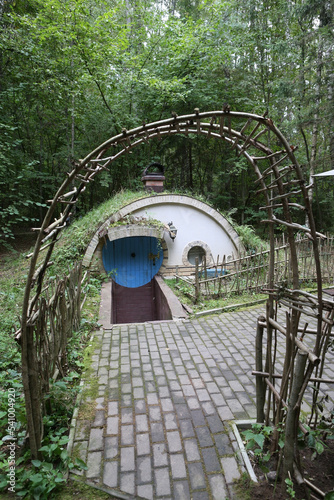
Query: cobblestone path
154 417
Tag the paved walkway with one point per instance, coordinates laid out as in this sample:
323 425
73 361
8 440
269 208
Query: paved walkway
154 418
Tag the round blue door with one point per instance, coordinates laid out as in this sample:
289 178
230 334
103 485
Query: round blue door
133 261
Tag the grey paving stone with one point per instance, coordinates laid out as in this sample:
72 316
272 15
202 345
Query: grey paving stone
236 386
208 408
127 435
144 470
112 425
110 447
193 403
235 406
167 404
186 428
192 451
99 418
188 390
218 399
82 430
141 423
128 483
149 387
181 490
140 406
212 388
203 395
196 474
155 413
145 491
178 466
99 403
160 457
157 432
177 397
211 461
138 393
198 418
95 439
223 444
126 400
170 421
143 444
126 416
215 423
225 413
218 488
230 468
152 399
94 459
127 459
164 392
182 411
204 436
110 474
162 482
174 441
126 388
171 375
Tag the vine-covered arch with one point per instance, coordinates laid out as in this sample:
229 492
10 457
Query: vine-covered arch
277 173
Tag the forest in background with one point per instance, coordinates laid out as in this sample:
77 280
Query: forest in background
75 72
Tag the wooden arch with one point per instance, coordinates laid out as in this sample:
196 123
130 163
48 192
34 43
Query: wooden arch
278 175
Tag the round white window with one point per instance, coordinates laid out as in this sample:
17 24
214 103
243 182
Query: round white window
196 252
196 249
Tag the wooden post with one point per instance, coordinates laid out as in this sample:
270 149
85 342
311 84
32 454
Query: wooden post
260 384
291 425
197 292
31 392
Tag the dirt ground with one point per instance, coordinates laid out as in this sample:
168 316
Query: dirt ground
319 472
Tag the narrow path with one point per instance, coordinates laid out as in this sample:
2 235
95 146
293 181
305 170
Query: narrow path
154 417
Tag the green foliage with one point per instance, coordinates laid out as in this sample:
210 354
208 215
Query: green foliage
74 73
256 440
249 239
39 479
290 487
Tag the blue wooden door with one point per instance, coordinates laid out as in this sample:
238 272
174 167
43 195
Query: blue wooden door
132 261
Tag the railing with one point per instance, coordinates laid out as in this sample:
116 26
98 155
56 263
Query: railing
249 272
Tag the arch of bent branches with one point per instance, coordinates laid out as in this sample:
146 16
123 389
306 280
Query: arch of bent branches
277 174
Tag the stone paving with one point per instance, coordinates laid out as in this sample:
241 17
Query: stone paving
154 417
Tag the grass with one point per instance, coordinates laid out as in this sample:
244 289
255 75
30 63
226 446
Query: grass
182 291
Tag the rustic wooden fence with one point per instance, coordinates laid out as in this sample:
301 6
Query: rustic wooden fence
55 316
250 272
281 384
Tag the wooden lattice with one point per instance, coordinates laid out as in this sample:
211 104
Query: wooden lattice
279 178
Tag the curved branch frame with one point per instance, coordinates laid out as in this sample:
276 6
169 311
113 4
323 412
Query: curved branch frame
278 175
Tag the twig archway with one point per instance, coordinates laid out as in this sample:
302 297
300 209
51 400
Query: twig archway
277 174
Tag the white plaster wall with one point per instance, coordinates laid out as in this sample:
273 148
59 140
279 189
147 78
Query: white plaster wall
192 225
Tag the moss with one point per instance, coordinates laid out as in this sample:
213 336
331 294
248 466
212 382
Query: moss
78 489
91 389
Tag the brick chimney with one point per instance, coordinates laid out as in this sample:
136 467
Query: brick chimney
153 177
